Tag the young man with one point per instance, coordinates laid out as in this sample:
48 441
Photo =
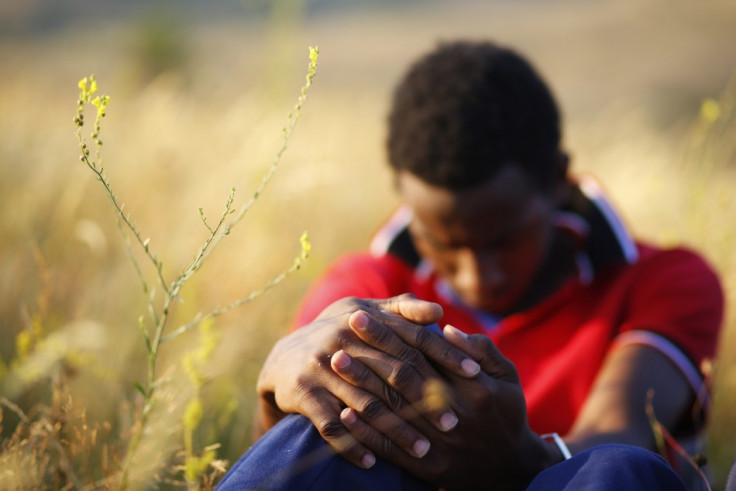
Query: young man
563 325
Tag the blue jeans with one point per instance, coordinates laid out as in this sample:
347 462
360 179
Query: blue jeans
293 456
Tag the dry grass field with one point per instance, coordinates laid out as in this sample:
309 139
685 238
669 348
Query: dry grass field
199 97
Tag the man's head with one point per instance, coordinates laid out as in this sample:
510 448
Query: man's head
466 110
474 137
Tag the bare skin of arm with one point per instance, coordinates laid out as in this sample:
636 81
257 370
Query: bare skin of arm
492 443
615 409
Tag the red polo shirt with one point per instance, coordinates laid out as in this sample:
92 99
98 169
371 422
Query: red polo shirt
670 300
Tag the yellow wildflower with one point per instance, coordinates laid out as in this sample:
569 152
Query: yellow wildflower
710 110
193 414
306 245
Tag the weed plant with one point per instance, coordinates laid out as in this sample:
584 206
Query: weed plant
710 167
46 446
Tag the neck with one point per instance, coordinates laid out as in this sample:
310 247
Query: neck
558 267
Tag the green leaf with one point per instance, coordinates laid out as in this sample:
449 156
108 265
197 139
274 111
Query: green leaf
140 389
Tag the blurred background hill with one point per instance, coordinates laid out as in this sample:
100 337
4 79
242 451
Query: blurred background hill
200 91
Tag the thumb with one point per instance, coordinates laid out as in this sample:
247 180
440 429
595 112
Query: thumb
411 308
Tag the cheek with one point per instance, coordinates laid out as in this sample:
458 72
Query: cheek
525 259
445 262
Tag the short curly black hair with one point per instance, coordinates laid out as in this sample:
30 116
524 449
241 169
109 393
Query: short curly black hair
467 109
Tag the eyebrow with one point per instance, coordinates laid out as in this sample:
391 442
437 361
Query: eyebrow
496 241
437 242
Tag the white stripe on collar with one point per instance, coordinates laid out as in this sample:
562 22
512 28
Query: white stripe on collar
388 232
594 192
424 270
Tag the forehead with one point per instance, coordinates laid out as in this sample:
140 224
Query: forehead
482 213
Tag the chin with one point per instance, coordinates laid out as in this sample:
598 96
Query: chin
495 306
495 309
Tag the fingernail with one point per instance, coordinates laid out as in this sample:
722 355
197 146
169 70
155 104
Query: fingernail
470 367
456 331
348 416
359 319
368 460
341 360
448 421
421 447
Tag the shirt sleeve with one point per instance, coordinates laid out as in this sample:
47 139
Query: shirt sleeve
676 307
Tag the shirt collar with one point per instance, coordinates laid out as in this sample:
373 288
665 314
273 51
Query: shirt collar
588 215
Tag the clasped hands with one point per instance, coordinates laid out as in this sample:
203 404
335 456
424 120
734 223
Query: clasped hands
374 381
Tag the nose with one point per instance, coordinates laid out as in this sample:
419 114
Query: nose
480 272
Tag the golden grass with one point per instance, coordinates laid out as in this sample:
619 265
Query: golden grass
181 139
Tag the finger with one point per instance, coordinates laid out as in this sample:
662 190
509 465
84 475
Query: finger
374 331
374 440
485 352
411 308
374 412
409 342
323 410
399 386
358 374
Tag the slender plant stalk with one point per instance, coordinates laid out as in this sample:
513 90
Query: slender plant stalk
254 294
160 318
664 440
291 120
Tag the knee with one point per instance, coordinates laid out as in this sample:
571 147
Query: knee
611 467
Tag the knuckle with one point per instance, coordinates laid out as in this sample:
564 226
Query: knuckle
303 383
371 408
349 301
335 308
305 392
395 305
346 305
387 447
379 332
400 303
401 377
360 376
423 338
355 303
403 434
393 399
341 337
449 352
413 357
428 342
484 341
330 429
